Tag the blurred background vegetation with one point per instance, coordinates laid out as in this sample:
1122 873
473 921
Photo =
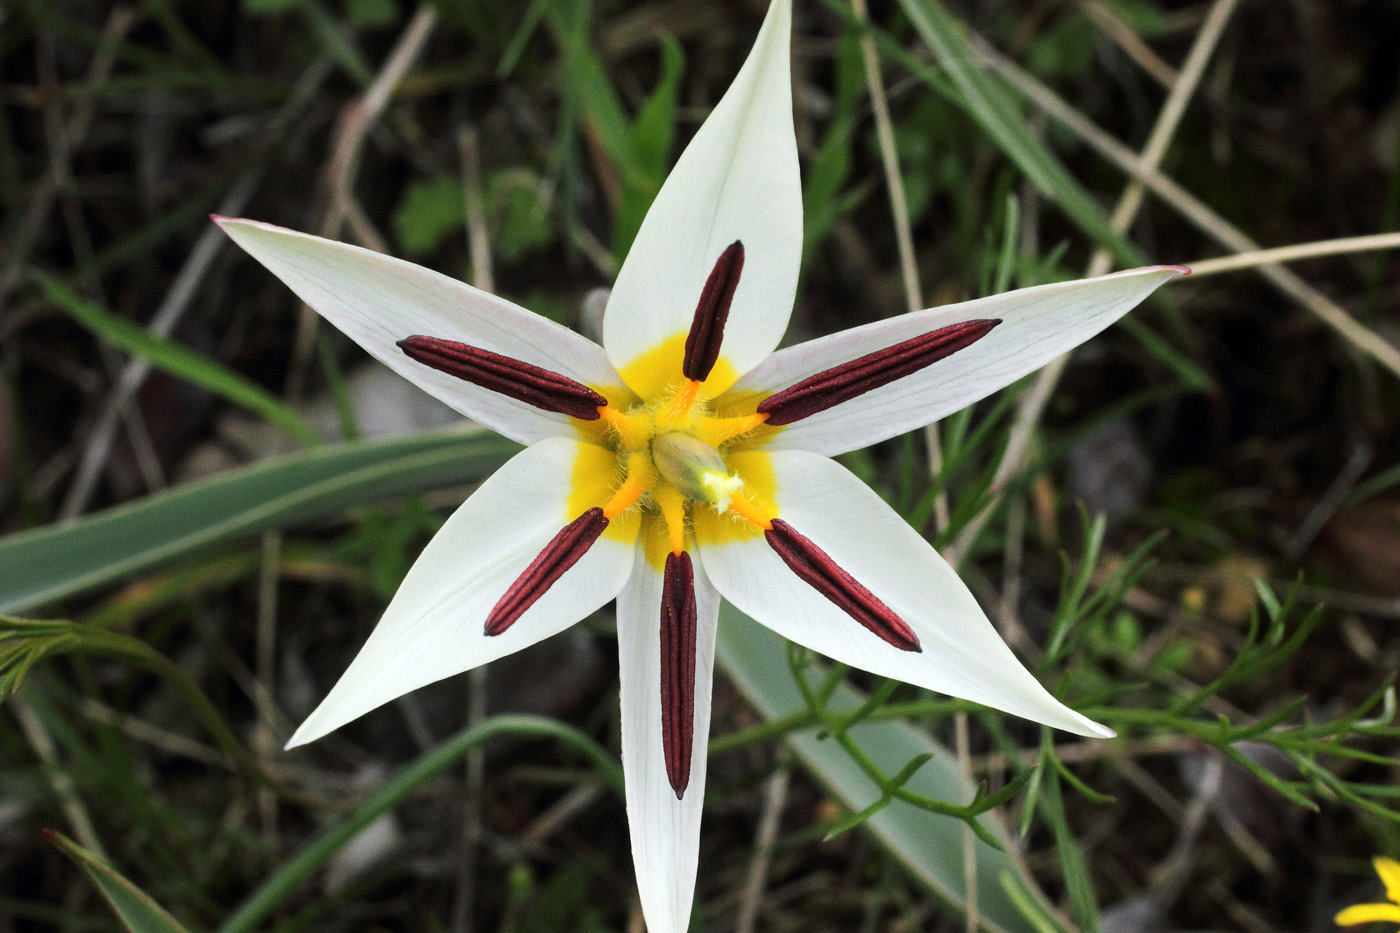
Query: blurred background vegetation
1196 536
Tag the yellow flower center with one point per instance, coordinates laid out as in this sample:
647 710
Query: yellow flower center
677 467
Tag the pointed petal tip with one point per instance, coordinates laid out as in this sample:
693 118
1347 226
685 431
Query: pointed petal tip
1181 270
303 736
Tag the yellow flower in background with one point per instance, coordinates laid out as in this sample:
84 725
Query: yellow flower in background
1389 870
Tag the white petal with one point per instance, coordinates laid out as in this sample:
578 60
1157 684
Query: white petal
737 180
433 627
378 300
962 655
1037 325
665 831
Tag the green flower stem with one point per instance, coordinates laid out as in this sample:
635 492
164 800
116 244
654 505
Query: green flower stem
428 766
806 719
838 725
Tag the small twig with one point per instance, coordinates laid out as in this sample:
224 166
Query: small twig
558 815
1332 500
59 778
1168 120
172 743
182 291
1130 42
1193 209
343 168
177 300
479 248
478 234
470 840
363 114
36 215
1090 751
265 672
1313 250
904 238
963 747
914 301
1168 879
774 800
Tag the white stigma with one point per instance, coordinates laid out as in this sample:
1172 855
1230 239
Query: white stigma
721 487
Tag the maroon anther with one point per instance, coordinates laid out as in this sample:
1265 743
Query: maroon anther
844 382
678 669
517 379
558 556
817 568
707 327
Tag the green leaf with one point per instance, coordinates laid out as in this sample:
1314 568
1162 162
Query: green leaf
372 13
52 562
428 213
177 360
823 201
648 152
269 7
929 845
136 909
517 207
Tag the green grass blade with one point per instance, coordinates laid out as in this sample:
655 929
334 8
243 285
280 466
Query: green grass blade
177 360
136 909
55 561
927 844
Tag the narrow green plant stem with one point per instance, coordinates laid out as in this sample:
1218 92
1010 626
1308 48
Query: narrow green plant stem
806 719
837 725
428 766
137 652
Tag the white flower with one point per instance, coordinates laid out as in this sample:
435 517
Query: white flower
685 460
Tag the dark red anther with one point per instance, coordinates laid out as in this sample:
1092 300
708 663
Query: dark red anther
844 382
707 327
517 379
558 556
825 576
678 669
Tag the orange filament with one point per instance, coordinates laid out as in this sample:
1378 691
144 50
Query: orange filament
672 505
750 512
640 476
718 431
632 430
678 409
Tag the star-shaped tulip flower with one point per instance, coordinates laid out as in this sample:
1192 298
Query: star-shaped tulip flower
684 461
1389 870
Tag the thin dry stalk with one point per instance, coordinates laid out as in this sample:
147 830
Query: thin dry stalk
914 301
770 817
1195 211
1317 248
59 779
479 248
172 308
1031 407
343 168
36 215
1130 42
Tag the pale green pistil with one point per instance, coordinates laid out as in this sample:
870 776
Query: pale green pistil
694 468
